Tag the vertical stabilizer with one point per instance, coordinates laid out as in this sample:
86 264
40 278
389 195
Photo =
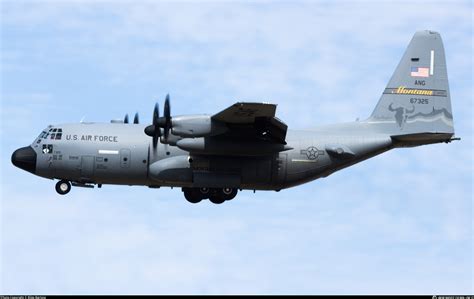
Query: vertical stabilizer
416 99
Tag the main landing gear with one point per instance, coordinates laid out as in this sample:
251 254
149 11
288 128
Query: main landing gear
215 195
63 187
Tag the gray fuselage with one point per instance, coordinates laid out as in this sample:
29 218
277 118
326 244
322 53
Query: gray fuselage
117 153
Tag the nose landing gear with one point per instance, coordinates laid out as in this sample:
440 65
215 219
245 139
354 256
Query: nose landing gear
63 187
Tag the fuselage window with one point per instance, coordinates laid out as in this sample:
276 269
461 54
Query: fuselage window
47 148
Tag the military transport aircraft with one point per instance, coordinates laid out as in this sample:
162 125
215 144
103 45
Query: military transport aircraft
245 146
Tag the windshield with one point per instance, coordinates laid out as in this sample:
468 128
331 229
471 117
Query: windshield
43 135
50 133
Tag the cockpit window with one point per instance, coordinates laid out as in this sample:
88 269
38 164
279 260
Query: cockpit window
56 133
43 135
52 133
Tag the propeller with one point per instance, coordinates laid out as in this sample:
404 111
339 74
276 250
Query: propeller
135 119
125 120
153 130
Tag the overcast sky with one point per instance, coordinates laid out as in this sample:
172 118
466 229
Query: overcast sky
397 223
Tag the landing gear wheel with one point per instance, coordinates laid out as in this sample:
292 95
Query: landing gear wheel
63 187
204 192
229 193
217 198
192 195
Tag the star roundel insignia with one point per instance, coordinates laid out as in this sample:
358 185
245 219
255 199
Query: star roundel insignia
312 153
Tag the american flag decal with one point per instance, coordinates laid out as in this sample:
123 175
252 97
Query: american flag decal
420 72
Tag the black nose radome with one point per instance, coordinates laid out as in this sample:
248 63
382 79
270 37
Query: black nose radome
25 158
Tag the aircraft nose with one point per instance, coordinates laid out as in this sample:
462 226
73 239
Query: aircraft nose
25 158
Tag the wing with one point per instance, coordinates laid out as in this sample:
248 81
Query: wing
252 122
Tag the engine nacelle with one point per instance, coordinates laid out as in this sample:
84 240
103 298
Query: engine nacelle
210 146
196 126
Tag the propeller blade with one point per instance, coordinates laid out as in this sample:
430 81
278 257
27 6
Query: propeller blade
167 115
167 107
156 114
135 119
125 120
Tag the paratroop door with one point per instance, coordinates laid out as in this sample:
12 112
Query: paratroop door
87 166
